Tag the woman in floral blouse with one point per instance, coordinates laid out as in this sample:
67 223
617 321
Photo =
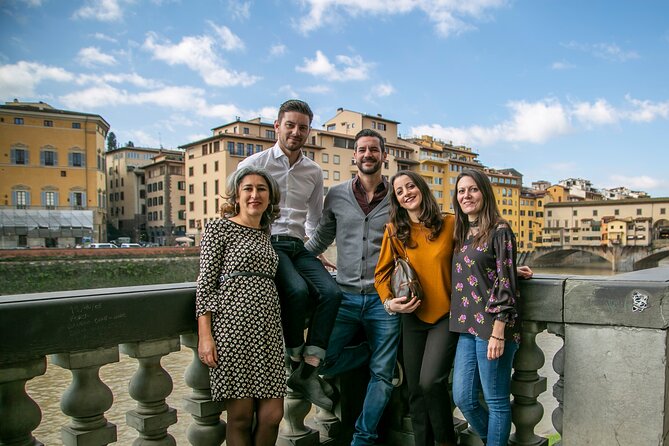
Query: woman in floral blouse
484 308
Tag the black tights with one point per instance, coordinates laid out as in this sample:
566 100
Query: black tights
240 431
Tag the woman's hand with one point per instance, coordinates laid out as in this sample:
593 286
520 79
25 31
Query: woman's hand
495 348
403 305
524 272
206 350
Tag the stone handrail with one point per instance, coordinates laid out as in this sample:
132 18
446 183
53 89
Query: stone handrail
612 383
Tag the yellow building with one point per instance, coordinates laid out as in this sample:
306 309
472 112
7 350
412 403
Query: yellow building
52 176
209 161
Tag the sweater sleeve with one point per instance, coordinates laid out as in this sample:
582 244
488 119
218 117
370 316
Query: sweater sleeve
384 268
502 301
325 232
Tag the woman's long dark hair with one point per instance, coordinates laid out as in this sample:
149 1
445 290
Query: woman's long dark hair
430 215
489 216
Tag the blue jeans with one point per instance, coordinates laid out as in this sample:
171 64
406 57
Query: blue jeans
474 372
383 333
303 282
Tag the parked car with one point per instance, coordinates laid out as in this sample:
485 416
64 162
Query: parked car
130 245
102 245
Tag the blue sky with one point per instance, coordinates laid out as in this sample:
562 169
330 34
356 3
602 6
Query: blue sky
552 88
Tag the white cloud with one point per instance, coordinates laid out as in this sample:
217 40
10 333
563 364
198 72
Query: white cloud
33 3
561 65
383 90
240 10
102 36
599 112
349 68
288 91
102 10
228 39
277 50
92 56
449 17
318 89
141 138
641 182
606 51
647 111
21 78
118 78
538 122
198 53
179 98
530 122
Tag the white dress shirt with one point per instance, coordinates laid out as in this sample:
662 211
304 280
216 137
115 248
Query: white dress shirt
301 187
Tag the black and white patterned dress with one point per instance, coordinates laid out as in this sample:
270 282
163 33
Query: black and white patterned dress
246 316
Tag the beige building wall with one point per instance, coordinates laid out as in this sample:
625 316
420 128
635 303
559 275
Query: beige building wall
166 198
51 160
126 190
635 222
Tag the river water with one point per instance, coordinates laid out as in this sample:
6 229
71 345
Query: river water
46 390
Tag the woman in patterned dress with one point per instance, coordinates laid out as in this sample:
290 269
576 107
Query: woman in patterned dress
484 309
238 312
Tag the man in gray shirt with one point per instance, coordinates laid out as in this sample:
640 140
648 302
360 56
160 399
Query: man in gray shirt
355 213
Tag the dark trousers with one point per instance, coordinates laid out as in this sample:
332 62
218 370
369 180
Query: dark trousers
429 350
304 283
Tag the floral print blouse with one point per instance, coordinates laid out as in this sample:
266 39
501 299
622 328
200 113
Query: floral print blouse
485 286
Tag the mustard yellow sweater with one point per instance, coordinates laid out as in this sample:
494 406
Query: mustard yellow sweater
432 261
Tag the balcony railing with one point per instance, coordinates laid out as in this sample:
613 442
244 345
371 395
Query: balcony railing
612 386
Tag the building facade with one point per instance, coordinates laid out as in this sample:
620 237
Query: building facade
166 198
635 222
52 176
126 191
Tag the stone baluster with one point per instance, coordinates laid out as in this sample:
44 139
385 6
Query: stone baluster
87 398
293 431
208 428
526 386
328 425
19 414
558 387
149 386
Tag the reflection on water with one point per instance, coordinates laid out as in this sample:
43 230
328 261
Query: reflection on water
47 390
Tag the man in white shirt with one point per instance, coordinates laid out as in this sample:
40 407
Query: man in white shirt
300 275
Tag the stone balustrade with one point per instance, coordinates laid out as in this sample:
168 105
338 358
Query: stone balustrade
612 367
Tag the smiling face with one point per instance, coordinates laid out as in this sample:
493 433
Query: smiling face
368 155
408 195
252 196
470 197
292 131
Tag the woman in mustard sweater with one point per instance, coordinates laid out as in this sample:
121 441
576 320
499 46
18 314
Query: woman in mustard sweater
418 228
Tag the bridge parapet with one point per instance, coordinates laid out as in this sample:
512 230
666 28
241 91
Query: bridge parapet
612 368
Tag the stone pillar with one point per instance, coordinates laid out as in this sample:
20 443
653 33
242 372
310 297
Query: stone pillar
526 386
293 431
558 387
208 429
87 398
19 414
149 386
328 425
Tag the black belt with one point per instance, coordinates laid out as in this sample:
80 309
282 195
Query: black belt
225 277
285 238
